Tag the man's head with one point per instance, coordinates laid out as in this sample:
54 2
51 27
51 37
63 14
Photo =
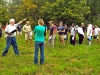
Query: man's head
61 23
12 21
88 24
73 24
82 24
27 22
76 26
51 22
65 25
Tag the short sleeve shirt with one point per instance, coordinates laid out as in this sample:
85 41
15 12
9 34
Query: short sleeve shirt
39 33
96 31
10 28
51 30
61 28
19 28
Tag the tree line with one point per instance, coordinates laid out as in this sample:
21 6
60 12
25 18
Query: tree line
68 11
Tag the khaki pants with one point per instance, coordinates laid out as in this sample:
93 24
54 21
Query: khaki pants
51 40
61 37
19 33
28 36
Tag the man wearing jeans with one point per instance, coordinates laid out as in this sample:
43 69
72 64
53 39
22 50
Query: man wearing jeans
11 40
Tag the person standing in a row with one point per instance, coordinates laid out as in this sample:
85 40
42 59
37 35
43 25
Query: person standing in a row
80 34
11 39
5 35
83 27
19 31
27 29
39 31
89 33
51 34
0 32
72 34
61 31
66 32
96 32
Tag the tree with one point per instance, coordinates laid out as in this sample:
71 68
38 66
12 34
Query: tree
66 10
3 12
94 16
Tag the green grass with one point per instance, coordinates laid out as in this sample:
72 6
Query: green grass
61 60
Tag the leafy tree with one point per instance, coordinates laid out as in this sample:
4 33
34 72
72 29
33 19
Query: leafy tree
94 16
3 12
66 10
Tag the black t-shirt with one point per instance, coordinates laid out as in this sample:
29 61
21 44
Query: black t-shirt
51 30
45 30
61 28
19 28
84 28
66 30
0 30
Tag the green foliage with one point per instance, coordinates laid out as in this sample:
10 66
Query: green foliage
67 11
94 16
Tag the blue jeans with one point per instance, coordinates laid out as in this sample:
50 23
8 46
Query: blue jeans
37 46
11 41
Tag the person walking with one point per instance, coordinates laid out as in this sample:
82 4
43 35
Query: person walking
39 31
11 39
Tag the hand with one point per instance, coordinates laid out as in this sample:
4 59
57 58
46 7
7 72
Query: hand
25 19
10 33
59 30
27 31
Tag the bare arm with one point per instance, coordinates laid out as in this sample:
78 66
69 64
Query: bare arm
21 21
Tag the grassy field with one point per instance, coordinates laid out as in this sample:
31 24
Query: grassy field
61 60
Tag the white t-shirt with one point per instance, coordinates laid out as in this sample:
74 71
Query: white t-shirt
96 31
89 30
10 28
80 31
73 32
